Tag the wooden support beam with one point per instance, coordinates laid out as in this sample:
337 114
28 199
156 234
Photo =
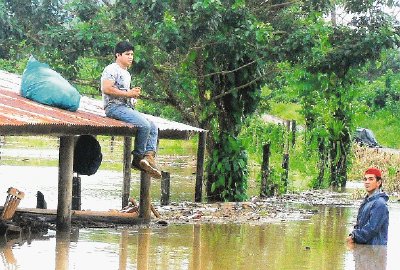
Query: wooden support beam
201 150
65 174
127 170
145 201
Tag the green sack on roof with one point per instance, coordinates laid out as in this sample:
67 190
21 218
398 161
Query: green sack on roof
44 85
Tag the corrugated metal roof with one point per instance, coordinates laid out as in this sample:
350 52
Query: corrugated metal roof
21 116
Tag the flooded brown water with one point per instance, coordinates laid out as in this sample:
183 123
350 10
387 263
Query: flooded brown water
317 243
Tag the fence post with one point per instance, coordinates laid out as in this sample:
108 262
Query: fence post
294 126
285 160
165 188
265 170
201 149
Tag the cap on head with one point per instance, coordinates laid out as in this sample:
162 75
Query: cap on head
374 171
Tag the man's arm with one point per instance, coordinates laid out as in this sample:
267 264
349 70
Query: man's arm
108 88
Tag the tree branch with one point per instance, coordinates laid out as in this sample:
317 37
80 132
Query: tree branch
236 88
223 72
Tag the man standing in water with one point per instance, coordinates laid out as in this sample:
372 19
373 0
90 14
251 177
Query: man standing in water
119 99
373 216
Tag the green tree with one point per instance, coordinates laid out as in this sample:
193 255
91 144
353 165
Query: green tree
212 76
329 105
206 60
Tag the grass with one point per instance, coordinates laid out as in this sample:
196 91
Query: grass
112 150
386 161
302 165
385 126
289 111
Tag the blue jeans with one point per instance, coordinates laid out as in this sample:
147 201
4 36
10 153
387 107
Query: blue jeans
147 132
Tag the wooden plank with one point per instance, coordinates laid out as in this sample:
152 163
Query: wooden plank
107 217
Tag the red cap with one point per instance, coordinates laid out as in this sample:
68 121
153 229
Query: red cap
374 171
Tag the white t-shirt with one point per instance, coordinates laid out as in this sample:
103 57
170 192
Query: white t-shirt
122 80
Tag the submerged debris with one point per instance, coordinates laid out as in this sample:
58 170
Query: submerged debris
258 210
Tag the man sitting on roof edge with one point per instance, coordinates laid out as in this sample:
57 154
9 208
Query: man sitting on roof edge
119 103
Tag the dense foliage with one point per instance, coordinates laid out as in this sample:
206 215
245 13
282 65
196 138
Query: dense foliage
208 62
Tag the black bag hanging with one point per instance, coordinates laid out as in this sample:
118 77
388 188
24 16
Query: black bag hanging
87 155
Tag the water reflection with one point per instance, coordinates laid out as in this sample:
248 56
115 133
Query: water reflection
370 257
196 254
7 255
123 250
62 250
318 243
143 248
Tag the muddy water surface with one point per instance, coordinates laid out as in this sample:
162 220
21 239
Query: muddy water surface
317 243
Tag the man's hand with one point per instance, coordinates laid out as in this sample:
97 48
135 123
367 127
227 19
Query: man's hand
134 92
109 89
350 242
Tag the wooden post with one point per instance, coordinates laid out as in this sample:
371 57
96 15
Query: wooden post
145 201
65 174
76 193
127 171
294 126
285 160
265 170
201 149
165 188
285 173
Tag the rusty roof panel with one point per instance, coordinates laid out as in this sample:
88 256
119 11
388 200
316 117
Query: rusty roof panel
21 116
